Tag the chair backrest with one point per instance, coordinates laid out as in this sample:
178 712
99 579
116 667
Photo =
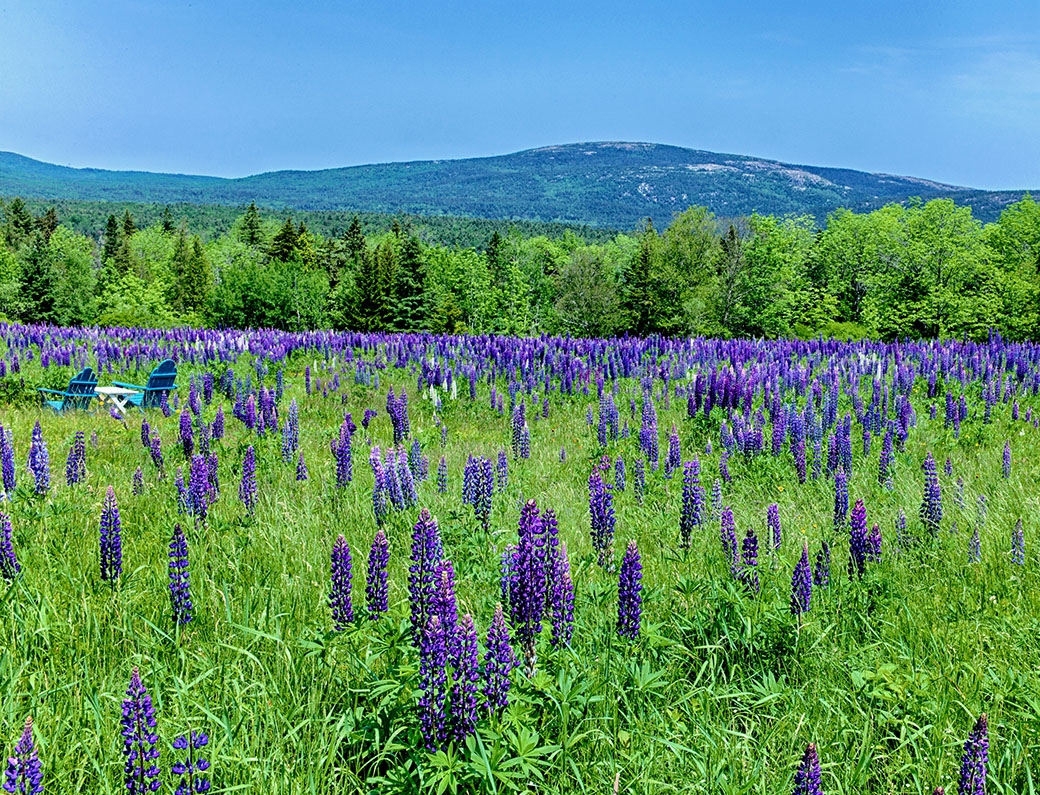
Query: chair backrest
159 382
80 392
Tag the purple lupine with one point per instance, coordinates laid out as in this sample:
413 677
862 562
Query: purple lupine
409 496
442 476
525 442
498 664
858 541
716 499
9 566
902 539
503 471
247 487
773 525
526 584
821 575
561 598
841 499
301 467
339 593
1018 545
801 584
483 488
217 432
433 679
601 516
465 682
948 467
674 459
648 431
630 598
619 473
192 769
39 462
974 759
180 579
138 483
563 454
187 437
975 547
7 460
24 774
728 533
140 742
692 502
155 448
885 462
799 459
111 539
376 591
1007 460
342 454
198 489
640 480
807 779
182 492
76 464
931 503
749 562
427 552
444 603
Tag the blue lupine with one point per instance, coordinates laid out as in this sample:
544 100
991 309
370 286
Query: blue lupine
526 584
140 742
728 534
692 502
191 770
376 581
433 678
427 552
1018 545
247 486
301 467
442 476
630 587
24 774
7 460
187 437
619 473
807 779
180 579
801 584
821 574
503 471
974 760
138 482
76 465
931 503
601 516
339 594
773 525
1007 460
841 499
498 664
9 566
858 541
198 488
39 462
560 596
155 449
465 682
640 480
749 562
111 539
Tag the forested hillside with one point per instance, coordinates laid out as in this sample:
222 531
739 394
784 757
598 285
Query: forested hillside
921 269
609 184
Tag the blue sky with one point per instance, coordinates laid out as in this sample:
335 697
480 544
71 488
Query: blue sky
945 90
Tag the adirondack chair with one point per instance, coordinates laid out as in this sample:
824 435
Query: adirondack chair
160 382
78 395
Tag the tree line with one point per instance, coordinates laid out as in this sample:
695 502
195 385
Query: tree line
919 269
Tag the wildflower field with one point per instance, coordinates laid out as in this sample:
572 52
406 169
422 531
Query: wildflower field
335 562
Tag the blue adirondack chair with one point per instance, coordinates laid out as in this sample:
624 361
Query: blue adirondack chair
79 395
160 382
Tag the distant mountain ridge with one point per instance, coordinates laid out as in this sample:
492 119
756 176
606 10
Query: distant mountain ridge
609 183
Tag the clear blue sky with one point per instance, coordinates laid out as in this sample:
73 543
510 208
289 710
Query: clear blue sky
946 90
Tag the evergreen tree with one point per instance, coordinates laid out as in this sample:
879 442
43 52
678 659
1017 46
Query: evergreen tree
196 278
252 232
283 245
38 281
369 297
495 259
639 300
19 224
113 238
180 262
47 223
129 227
409 284
166 219
354 240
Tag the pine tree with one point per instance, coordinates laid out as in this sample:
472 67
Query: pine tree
386 277
166 219
252 233
496 259
38 281
196 278
129 227
180 262
19 224
113 238
283 245
409 284
640 293
355 243
366 301
47 223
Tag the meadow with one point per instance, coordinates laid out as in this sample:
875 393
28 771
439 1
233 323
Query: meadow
744 641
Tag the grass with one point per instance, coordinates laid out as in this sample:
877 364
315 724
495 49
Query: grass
721 693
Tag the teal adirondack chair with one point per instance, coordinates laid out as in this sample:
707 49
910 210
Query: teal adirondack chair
79 395
160 382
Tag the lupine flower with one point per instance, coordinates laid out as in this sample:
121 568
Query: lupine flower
799 459
749 562
1007 459
1018 545
858 540
902 539
180 579
525 442
24 774
822 569
801 585
674 458
187 438
885 462
444 604
640 480
601 515
975 547
198 489
433 678
874 545
182 493
339 595
692 502
342 456
442 476
648 431
931 503
141 771
76 465
247 488
619 473
716 499
218 424
465 682
807 779
138 483
841 499
191 770
498 664
9 567
526 583
948 467
974 759
376 582
301 467
561 597
155 448
563 454
422 579
503 470
39 461
630 597
7 460
729 539
111 539
773 524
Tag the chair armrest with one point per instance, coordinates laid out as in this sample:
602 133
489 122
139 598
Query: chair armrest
52 391
128 386
169 388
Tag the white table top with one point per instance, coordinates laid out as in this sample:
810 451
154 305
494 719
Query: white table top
114 390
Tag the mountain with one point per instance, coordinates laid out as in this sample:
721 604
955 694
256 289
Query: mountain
610 184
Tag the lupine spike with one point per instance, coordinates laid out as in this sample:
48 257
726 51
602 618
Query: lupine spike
111 539
140 742
24 774
630 587
180 580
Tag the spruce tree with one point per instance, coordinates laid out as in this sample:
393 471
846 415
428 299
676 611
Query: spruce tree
129 227
180 262
47 223
640 293
252 233
166 219
19 224
354 240
283 245
410 285
196 278
39 283
113 238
